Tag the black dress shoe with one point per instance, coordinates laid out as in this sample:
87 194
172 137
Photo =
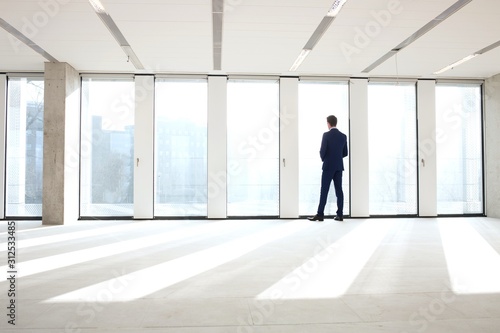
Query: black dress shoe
338 218
316 218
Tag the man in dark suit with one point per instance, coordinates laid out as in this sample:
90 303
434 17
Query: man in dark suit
333 150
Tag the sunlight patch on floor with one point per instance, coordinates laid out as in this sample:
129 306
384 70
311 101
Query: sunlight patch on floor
147 281
473 264
331 272
44 264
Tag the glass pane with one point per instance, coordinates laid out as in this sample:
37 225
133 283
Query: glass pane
253 148
24 147
107 148
316 102
459 149
181 148
393 149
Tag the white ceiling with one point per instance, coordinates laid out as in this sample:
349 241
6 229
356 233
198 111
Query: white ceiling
259 37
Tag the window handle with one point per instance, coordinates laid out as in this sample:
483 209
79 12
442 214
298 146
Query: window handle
138 162
423 163
284 163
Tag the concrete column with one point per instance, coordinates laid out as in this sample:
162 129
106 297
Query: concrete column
492 142
61 138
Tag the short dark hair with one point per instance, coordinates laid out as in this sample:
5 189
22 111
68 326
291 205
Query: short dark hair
332 120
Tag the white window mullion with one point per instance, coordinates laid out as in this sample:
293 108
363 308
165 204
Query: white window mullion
289 148
427 182
143 147
358 148
218 172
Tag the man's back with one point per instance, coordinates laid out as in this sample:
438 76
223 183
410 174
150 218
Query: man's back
333 149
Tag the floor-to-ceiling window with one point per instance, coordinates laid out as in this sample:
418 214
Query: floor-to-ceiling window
459 149
107 147
24 149
253 148
392 148
317 100
180 147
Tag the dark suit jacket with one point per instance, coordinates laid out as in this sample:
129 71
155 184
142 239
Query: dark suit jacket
333 150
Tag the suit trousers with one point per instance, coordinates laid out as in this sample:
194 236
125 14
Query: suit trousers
326 179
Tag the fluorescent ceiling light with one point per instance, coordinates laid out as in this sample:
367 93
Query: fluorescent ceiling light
336 7
28 42
457 63
318 33
482 51
299 60
217 21
98 7
132 57
489 48
419 33
117 34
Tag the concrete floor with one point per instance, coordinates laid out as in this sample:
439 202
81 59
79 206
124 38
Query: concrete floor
263 276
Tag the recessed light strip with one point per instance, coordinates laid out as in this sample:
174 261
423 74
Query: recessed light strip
115 31
457 63
419 33
21 37
489 48
380 61
469 57
217 19
299 60
336 7
318 33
